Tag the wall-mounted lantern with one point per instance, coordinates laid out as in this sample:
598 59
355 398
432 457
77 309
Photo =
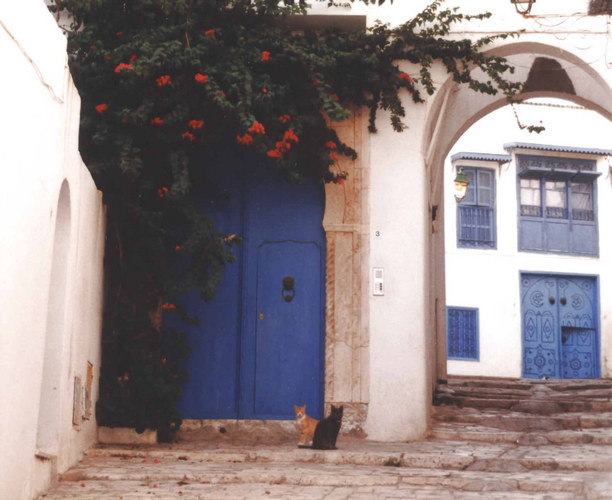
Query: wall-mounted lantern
461 184
526 9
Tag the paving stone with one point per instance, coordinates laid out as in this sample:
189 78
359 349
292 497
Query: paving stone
471 453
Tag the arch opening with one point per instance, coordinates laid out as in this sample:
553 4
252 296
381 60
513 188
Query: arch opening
454 112
48 431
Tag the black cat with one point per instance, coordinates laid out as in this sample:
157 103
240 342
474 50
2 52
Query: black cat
327 430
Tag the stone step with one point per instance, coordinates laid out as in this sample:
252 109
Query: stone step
187 490
454 431
193 471
529 396
431 454
521 421
522 384
536 405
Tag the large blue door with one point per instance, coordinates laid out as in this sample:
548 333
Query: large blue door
259 347
559 326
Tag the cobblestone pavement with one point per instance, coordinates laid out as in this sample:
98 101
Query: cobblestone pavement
490 439
360 469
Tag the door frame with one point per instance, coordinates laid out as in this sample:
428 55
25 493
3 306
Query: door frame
596 319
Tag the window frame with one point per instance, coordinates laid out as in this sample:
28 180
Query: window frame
465 205
476 333
571 172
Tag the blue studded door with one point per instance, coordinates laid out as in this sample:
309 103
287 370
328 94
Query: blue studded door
559 326
259 345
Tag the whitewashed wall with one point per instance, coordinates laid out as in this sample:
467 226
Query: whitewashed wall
406 325
51 249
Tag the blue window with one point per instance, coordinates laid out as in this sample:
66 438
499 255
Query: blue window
476 213
462 333
557 205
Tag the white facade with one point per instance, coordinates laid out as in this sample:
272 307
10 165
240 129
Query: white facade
488 279
51 249
383 352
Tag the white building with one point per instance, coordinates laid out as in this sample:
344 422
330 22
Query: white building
528 263
382 352
51 247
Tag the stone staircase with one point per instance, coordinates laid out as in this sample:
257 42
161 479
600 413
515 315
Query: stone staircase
490 439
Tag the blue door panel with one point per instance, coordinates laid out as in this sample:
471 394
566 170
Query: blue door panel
284 230
287 361
241 366
578 352
210 391
559 326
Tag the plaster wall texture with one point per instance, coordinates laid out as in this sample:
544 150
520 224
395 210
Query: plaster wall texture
50 300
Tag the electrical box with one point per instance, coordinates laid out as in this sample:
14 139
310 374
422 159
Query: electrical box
378 279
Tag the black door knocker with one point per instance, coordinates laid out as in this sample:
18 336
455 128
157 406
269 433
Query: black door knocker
288 291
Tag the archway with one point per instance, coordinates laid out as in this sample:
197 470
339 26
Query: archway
549 72
47 437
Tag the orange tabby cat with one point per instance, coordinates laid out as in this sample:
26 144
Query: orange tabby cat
306 424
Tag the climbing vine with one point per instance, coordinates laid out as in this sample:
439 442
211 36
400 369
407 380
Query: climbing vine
164 81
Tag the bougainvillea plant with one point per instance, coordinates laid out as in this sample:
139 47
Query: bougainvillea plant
163 80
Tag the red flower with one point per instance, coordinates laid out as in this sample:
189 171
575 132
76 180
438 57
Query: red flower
162 191
404 76
157 121
265 56
163 80
282 146
284 118
82 485
290 136
101 108
196 124
177 248
333 157
336 97
163 360
133 58
200 78
156 461
274 153
264 90
119 33
108 58
331 145
122 66
167 306
257 128
188 135
315 81
246 139
210 33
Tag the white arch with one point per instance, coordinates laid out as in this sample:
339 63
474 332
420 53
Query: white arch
455 109
47 436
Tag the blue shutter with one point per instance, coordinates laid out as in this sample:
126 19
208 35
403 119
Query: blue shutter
476 213
462 333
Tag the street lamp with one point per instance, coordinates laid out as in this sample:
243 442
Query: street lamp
461 184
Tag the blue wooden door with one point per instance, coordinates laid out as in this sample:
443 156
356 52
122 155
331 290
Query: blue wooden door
259 347
559 326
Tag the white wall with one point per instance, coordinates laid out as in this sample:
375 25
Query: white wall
489 279
404 176
38 154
